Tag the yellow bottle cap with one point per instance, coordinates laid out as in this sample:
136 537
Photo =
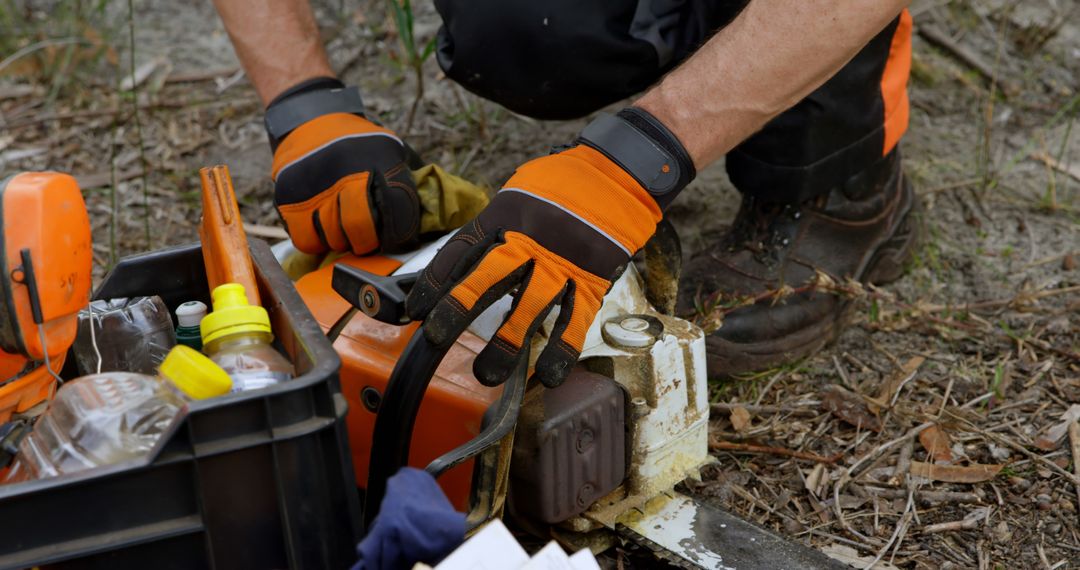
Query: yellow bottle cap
232 314
194 374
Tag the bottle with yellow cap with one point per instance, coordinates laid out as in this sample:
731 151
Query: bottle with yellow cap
237 337
111 417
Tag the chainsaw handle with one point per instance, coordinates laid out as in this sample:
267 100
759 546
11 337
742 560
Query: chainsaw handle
504 420
383 298
377 296
394 422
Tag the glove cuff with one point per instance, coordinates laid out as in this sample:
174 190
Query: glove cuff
306 101
642 146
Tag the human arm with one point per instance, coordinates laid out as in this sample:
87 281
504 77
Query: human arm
771 56
341 182
565 225
277 43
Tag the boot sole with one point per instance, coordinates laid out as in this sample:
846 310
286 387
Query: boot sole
887 264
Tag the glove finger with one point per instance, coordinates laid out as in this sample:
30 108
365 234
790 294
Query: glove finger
327 219
500 270
398 205
580 304
303 221
357 223
540 291
453 261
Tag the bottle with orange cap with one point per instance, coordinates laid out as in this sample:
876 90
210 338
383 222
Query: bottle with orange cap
236 336
111 417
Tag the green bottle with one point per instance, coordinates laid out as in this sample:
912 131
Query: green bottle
189 315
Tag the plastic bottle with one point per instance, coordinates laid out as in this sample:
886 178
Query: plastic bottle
111 417
131 334
188 317
237 337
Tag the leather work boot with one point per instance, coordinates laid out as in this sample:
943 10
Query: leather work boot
864 230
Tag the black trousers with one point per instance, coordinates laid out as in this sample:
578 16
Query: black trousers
561 59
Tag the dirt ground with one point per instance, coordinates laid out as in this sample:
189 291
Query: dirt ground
974 354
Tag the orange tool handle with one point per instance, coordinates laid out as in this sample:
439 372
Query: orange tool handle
224 244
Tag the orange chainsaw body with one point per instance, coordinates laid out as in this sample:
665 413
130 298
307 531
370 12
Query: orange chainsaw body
454 403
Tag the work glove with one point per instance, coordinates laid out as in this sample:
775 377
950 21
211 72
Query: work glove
341 182
560 231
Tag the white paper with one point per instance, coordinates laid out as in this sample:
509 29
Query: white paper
493 548
584 560
550 557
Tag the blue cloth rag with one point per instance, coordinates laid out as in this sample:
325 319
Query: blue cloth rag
416 523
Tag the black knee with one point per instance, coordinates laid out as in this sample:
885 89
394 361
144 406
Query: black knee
556 59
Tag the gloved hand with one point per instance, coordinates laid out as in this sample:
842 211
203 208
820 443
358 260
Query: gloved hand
341 182
561 229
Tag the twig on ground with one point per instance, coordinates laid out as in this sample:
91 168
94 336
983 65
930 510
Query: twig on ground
901 528
798 409
903 462
198 76
945 398
963 524
1002 440
1074 442
717 445
925 497
952 186
850 475
103 179
1070 169
969 58
1046 260
768 386
842 373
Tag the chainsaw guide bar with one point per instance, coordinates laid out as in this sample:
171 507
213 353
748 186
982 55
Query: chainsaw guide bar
688 533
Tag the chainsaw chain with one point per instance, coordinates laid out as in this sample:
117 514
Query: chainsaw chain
655 549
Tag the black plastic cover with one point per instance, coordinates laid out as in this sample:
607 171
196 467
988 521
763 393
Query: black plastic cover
569 448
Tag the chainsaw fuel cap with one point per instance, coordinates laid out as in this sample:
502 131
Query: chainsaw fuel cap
633 331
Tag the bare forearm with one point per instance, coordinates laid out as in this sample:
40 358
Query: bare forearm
277 42
771 56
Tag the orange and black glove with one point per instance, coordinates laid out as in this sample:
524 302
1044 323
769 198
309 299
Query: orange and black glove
560 231
341 182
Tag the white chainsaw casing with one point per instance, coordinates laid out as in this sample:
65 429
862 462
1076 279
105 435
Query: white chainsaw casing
667 389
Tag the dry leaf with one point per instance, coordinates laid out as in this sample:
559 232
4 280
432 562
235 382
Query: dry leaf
1052 437
849 407
1068 263
974 473
850 556
937 443
814 479
892 386
740 418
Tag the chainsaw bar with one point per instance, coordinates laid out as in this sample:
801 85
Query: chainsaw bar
690 534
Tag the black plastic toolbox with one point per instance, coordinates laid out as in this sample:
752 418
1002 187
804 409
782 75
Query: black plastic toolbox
252 480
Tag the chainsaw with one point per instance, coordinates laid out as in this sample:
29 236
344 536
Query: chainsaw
592 463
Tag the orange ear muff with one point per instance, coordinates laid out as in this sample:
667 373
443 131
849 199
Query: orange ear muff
45 263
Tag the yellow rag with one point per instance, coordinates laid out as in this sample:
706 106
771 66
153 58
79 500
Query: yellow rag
447 203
